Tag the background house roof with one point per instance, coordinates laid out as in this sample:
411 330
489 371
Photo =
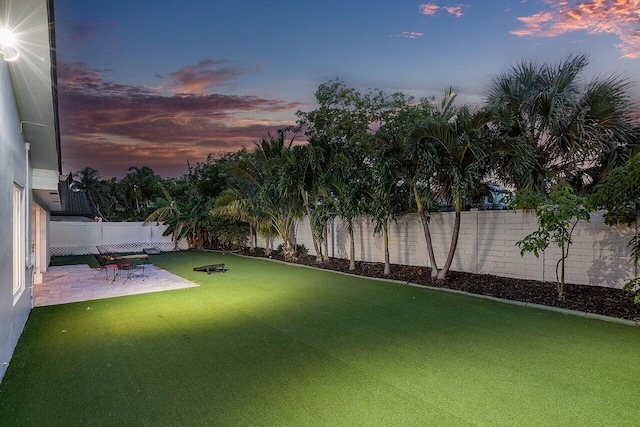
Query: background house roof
74 203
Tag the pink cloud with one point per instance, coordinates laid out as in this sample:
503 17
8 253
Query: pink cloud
454 10
112 126
431 9
203 76
619 17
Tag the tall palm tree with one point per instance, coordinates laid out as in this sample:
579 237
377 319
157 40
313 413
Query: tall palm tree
387 187
347 187
415 161
139 187
88 180
463 148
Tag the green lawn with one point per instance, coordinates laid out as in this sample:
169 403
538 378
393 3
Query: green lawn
270 344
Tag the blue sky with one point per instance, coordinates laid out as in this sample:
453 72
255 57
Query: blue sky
158 83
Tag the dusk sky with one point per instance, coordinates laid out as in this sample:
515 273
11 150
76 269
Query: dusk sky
157 83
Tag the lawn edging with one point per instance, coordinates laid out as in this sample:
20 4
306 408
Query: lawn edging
559 310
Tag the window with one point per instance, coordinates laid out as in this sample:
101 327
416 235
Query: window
18 241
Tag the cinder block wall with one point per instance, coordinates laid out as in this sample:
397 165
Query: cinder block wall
599 255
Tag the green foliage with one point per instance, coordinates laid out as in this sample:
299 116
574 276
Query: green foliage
265 188
300 249
525 199
462 144
632 286
556 221
619 194
225 233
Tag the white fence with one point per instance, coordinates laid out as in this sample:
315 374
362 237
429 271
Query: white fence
80 238
599 255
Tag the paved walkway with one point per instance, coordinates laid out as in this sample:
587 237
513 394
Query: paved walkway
73 283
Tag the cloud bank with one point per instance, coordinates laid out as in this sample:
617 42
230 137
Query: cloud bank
619 17
112 126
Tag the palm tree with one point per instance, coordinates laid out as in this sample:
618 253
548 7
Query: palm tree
415 162
88 180
241 202
459 138
170 213
185 219
139 187
388 190
278 197
566 125
347 185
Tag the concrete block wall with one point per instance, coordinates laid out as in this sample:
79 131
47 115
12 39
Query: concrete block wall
599 255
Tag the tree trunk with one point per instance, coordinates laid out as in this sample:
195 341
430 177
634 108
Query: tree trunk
454 244
267 249
316 247
427 234
252 246
290 244
560 280
352 243
385 237
325 230
94 204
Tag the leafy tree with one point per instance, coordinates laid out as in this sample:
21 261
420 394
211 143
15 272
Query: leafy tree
556 221
338 130
619 194
346 116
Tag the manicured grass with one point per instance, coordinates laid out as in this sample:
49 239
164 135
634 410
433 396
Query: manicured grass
270 344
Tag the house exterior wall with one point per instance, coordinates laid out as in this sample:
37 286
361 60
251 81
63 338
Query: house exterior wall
14 309
487 245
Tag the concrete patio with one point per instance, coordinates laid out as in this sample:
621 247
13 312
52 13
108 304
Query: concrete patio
73 283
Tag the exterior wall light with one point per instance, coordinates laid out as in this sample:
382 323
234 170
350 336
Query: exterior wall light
8 45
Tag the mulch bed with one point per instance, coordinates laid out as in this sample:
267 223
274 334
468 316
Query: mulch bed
591 299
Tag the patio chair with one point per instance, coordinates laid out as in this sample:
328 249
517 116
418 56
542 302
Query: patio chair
129 264
106 263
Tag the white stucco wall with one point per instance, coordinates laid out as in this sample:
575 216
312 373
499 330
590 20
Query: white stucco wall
80 238
599 255
13 314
